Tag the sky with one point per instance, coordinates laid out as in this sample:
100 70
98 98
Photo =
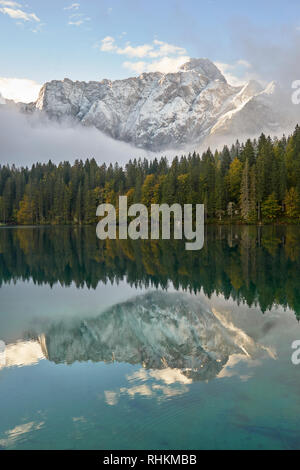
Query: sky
43 40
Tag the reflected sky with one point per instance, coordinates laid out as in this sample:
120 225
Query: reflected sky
129 366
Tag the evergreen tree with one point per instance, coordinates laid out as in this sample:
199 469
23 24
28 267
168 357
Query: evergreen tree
245 201
256 178
270 208
292 203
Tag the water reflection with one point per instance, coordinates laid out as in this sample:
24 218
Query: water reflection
96 357
2 354
256 265
19 433
22 353
175 337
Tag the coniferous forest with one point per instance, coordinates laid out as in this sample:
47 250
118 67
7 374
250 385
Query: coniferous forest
258 265
258 181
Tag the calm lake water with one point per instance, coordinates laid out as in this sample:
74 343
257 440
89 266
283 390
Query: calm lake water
143 345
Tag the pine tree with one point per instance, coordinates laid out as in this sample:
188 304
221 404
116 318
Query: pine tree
148 190
25 214
245 201
234 179
253 197
270 208
292 203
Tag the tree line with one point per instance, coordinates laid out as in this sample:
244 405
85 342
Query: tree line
258 265
258 181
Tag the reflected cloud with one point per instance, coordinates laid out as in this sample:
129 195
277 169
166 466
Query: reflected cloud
143 390
22 353
168 375
111 398
174 383
231 367
175 337
79 419
18 432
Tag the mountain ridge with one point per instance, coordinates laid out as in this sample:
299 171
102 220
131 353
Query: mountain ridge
157 111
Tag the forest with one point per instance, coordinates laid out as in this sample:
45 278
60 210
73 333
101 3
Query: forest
258 265
254 182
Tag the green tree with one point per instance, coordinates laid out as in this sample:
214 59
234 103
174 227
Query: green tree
25 214
270 208
234 179
292 203
245 201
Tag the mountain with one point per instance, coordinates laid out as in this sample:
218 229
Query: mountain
157 330
157 111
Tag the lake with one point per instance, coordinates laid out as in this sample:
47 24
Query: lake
142 345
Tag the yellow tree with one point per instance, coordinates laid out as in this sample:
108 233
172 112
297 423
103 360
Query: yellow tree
292 203
234 179
148 190
25 214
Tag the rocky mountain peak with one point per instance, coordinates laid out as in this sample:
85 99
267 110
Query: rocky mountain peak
204 67
157 111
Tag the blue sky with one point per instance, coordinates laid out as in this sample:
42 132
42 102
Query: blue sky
43 40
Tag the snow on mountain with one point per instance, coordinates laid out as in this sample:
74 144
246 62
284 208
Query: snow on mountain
157 330
263 111
156 111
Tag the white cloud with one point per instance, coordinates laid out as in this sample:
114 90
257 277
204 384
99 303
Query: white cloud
7 3
154 50
13 10
164 65
237 73
78 22
76 19
169 57
165 49
138 51
19 89
244 63
107 44
73 6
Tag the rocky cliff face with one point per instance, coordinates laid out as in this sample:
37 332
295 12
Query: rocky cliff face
158 331
156 111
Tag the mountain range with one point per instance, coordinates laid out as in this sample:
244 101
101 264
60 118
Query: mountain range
157 330
157 111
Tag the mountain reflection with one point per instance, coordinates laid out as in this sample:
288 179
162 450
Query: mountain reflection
256 265
174 334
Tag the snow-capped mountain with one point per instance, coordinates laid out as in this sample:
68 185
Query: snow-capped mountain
157 111
158 330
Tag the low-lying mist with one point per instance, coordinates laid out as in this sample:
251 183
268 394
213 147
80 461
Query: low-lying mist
25 140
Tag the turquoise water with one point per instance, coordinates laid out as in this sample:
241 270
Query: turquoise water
130 345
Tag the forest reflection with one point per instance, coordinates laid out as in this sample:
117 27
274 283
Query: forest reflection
256 265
